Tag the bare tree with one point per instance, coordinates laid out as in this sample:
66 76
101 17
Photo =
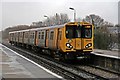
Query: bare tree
94 19
57 19
64 18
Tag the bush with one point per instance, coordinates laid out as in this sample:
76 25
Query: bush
103 39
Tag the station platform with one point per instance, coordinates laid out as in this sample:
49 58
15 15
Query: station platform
107 53
14 65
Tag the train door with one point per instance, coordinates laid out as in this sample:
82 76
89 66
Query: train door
46 38
78 40
28 38
59 38
23 37
35 37
18 36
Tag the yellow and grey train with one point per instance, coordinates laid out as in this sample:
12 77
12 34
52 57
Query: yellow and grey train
68 41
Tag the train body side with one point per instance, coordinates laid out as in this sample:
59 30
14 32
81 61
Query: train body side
58 39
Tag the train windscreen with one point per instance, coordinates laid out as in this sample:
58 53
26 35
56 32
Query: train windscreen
86 32
73 31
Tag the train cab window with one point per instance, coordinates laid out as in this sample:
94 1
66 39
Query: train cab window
51 35
87 32
73 31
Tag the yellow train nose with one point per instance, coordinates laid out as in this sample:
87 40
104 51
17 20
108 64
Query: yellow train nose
78 44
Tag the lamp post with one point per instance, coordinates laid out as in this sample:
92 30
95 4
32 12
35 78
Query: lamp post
74 13
47 18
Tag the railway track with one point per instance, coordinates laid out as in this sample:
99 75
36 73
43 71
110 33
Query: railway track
67 71
104 69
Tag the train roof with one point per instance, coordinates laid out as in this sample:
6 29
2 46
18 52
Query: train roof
35 29
50 27
20 31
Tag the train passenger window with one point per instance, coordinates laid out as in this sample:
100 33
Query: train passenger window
51 35
69 32
33 35
20 34
26 35
42 36
39 35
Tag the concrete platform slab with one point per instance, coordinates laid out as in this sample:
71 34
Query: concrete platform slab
14 65
107 53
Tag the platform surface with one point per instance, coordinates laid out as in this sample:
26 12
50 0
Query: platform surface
107 53
14 66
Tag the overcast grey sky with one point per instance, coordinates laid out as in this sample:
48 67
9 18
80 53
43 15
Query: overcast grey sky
16 12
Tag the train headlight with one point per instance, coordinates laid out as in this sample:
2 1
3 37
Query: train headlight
69 45
88 45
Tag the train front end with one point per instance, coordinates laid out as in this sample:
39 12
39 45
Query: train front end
78 39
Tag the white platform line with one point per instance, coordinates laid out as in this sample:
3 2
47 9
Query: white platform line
106 55
34 63
4 52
